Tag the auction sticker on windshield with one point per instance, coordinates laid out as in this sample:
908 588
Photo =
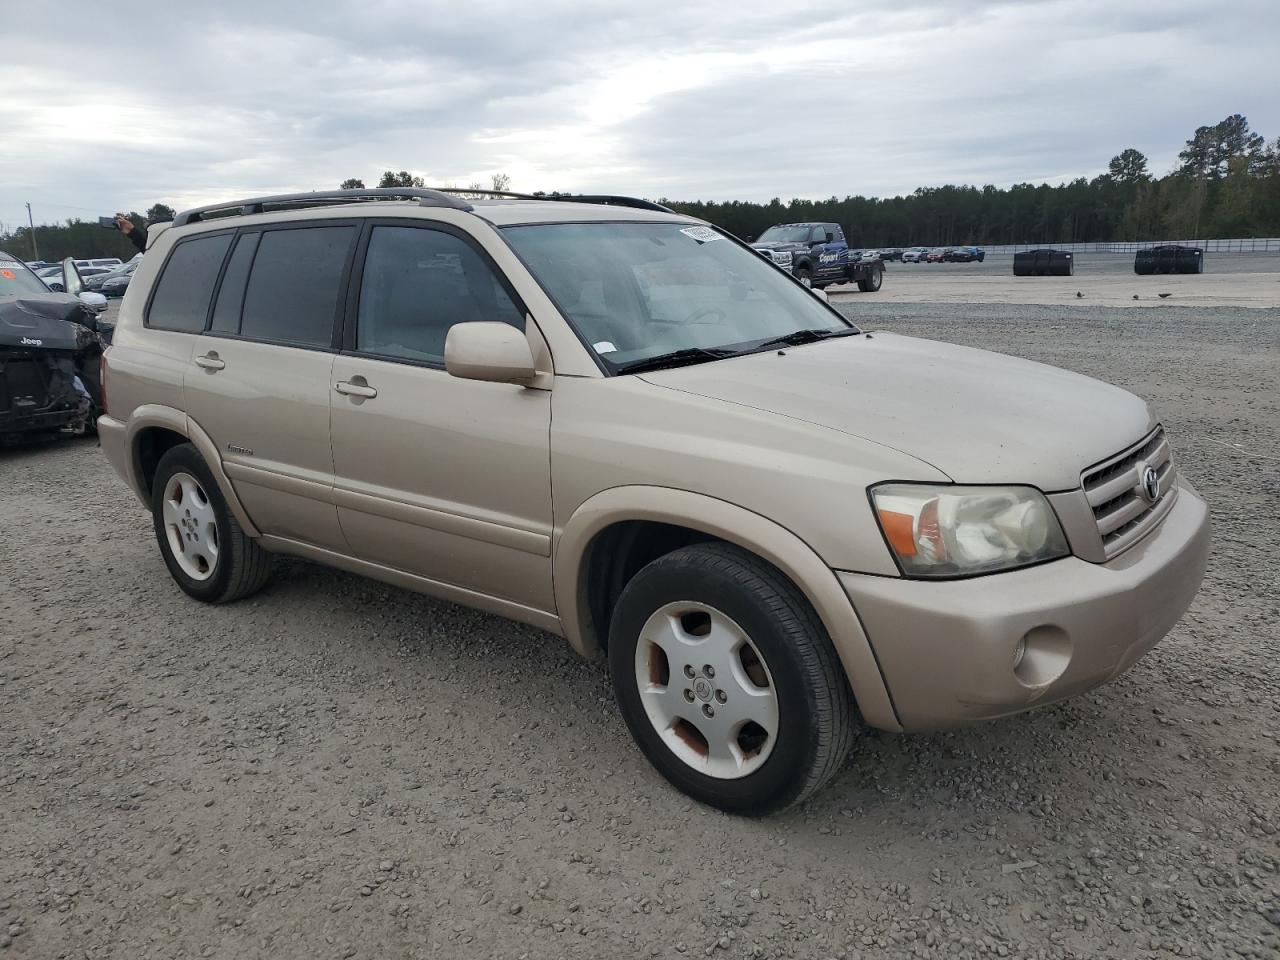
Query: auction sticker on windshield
701 234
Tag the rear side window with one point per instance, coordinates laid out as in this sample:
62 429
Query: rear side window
292 294
226 313
181 300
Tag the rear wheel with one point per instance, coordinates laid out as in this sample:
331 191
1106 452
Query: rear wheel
870 283
727 680
204 547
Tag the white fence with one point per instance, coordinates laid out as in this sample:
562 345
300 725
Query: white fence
1245 245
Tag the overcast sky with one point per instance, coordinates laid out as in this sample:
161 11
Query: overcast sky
105 108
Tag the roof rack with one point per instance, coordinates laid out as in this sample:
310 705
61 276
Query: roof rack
601 198
322 198
439 197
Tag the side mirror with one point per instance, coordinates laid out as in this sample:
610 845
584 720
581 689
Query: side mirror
71 282
496 352
831 237
94 301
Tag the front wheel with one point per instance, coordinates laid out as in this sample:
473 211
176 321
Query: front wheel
204 547
804 275
870 283
728 681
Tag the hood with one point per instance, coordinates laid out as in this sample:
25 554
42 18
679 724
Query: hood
780 245
978 417
51 321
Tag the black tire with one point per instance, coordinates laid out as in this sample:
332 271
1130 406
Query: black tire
814 701
242 566
871 280
804 275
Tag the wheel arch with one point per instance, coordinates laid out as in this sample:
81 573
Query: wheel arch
605 520
152 430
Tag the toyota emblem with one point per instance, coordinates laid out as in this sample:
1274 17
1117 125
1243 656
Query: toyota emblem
1150 484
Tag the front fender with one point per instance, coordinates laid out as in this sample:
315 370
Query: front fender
733 524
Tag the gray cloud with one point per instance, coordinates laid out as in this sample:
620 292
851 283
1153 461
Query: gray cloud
678 100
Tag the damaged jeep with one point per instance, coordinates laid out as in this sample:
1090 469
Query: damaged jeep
50 353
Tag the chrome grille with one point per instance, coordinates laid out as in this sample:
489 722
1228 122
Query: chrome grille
1114 489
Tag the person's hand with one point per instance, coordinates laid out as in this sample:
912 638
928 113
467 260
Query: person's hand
124 223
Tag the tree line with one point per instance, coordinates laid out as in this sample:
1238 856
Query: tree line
1226 184
83 239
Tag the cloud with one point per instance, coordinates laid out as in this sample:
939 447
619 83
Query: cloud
678 100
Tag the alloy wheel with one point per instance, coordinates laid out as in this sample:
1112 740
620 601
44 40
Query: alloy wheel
707 690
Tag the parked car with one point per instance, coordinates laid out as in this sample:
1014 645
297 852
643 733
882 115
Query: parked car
870 255
965 255
113 283
49 353
936 255
107 262
891 253
914 255
616 423
53 275
818 255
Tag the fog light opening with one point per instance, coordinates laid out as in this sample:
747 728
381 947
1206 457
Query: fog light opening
1042 656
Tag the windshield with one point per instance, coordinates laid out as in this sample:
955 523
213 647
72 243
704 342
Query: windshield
16 279
787 233
636 291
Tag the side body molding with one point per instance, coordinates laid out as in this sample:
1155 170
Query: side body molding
751 531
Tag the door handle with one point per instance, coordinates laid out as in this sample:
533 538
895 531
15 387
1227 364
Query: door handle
355 389
210 362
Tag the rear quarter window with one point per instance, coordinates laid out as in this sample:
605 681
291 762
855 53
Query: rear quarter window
182 294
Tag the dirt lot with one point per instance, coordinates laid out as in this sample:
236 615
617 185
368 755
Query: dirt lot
340 769
1229 280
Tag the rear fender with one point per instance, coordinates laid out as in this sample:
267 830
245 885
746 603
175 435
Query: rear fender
155 415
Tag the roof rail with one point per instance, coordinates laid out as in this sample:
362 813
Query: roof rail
322 198
609 199
427 197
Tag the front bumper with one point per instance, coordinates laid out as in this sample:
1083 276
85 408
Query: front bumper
947 649
41 420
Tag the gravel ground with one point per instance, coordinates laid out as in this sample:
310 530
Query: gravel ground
1230 279
341 769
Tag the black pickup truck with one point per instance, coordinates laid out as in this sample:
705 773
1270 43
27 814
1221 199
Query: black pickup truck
817 255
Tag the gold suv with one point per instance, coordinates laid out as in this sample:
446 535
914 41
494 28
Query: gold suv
624 426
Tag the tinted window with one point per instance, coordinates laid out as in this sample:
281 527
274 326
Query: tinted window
181 300
226 313
819 234
292 295
417 284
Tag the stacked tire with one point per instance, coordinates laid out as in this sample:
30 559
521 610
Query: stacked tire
1169 258
1043 263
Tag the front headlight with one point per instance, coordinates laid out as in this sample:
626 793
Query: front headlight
948 531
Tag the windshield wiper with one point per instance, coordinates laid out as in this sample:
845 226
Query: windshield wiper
676 358
797 337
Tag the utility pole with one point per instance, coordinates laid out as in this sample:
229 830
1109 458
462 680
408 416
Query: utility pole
35 253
